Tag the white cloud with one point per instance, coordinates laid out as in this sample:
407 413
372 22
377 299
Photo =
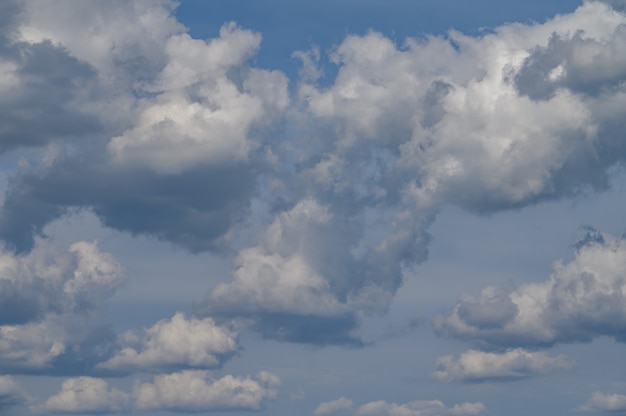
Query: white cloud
608 403
419 408
87 395
177 342
581 300
196 391
334 406
514 364
200 115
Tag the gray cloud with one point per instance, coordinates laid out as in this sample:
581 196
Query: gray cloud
193 135
514 364
611 403
89 395
582 300
196 391
11 393
419 408
334 406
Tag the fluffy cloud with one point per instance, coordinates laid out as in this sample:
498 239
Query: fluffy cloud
10 393
182 117
174 343
581 300
192 138
608 403
477 366
419 408
87 395
196 391
51 280
333 406
46 296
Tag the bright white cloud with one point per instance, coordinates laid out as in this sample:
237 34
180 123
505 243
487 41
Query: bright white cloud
87 395
334 406
196 391
200 115
176 342
581 300
514 364
419 408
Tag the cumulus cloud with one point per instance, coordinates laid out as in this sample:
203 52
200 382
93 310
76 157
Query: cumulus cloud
419 408
514 364
196 391
606 403
52 280
46 296
581 300
177 115
174 343
87 395
193 137
334 406
11 393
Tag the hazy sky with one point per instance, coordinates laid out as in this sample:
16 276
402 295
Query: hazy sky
355 207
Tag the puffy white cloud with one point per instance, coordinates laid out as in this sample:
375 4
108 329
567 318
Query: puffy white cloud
419 408
582 299
608 403
514 364
87 395
200 115
334 406
174 343
196 391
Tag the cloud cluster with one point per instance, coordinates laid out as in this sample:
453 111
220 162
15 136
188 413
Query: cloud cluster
419 408
187 141
514 364
187 391
583 299
46 296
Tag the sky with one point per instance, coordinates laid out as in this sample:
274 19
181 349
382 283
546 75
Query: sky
353 208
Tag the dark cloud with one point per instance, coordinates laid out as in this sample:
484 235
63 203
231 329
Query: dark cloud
194 209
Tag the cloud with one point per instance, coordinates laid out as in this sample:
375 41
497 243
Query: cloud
87 395
51 280
47 296
333 406
156 93
196 391
515 364
419 408
198 147
11 393
175 343
606 403
583 299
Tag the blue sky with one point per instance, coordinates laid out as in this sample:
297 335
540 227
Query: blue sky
329 208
